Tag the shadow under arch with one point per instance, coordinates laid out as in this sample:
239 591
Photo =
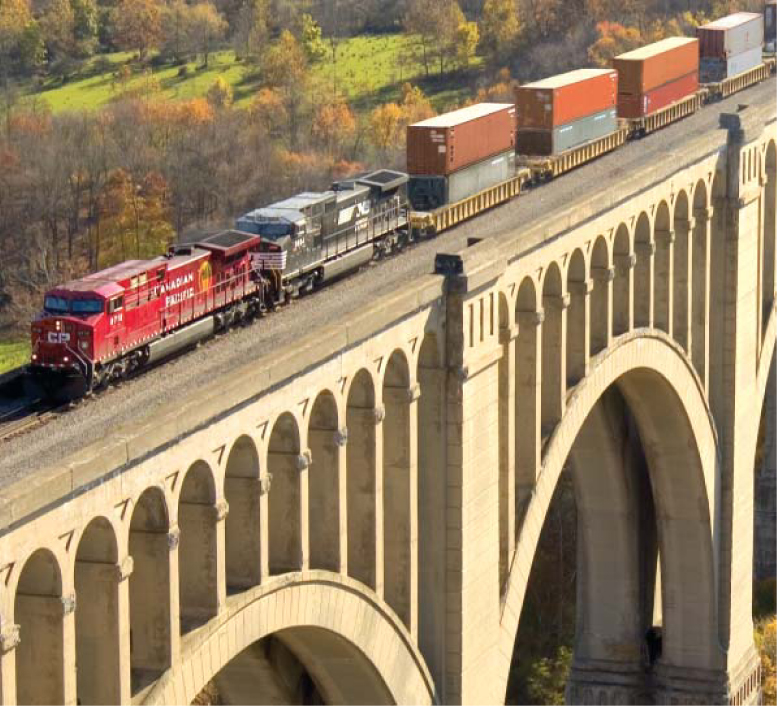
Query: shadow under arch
359 654
678 436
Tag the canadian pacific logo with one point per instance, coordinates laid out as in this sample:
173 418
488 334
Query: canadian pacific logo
175 289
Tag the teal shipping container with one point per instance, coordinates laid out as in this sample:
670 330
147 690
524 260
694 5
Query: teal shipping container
536 142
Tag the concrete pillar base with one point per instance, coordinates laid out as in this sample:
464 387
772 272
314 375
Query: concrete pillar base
607 683
674 685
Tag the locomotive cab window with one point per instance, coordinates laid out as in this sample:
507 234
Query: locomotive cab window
86 306
55 305
115 304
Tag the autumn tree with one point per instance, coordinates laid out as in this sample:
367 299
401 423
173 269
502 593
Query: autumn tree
21 43
286 70
57 24
499 30
220 93
466 42
386 126
614 39
419 21
415 105
311 40
251 29
334 125
176 37
137 25
206 28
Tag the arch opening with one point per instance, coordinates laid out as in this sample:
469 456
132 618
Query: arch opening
242 529
431 505
601 297
302 665
38 611
577 333
700 300
361 472
631 502
98 664
150 544
198 548
398 495
527 392
285 512
681 295
324 484
664 240
643 273
622 286
553 330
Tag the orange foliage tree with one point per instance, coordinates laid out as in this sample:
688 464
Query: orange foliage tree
613 39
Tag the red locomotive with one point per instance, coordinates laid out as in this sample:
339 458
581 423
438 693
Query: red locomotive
108 323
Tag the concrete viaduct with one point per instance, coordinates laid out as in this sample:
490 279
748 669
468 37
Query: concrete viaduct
371 500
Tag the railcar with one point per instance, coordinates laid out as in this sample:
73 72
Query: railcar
105 325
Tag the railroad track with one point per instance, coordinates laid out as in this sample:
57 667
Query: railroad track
27 417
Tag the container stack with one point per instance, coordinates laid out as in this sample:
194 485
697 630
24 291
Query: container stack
730 46
655 76
458 154
565 111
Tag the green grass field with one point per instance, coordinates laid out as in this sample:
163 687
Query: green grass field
13 354
370 70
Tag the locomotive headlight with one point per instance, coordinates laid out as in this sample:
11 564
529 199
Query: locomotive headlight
58 324
84 345
65 359
35 356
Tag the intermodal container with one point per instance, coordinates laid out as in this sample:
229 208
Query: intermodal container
443 145
713 69
562 99
427 192
731 35
657 64
542 142
770 25
641 105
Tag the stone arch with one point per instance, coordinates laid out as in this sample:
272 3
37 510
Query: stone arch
528 374
398 488
367 655
198 549
506 394
623 294
770 233
324 440
577 329
38 611
98 638
242 528
553 373
662 289
285 500
668 403
150 543
682 280
431 504
601 296
643 273
700 277
361 479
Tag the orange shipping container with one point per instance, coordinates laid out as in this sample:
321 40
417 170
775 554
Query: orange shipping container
649 67
442 145
562 99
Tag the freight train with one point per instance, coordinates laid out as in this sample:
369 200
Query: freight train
106 325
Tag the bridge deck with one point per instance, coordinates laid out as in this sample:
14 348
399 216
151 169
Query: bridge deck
121 411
